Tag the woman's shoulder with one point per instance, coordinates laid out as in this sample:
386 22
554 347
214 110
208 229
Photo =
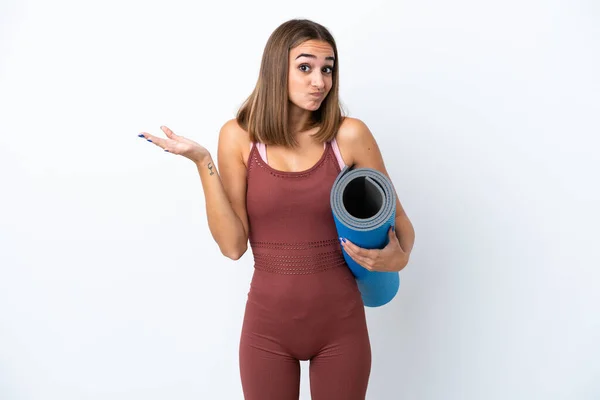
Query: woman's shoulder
233 134
352 138
231 129
351 129
234 138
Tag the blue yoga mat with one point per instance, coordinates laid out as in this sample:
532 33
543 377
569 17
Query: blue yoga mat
363 203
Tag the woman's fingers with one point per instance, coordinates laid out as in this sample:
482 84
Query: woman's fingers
169 133
160 142
364 257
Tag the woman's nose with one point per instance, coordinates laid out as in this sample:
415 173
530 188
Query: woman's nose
318 81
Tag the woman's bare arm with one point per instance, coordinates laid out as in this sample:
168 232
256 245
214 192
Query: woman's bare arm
225 192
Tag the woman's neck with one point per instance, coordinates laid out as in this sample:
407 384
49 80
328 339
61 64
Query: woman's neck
298 119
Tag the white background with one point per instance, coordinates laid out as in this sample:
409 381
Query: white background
487 116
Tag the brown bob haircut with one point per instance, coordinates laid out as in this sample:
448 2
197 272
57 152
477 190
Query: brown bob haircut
264 114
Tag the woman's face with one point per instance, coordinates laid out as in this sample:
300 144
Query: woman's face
310 74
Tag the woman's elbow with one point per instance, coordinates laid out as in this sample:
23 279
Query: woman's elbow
235 253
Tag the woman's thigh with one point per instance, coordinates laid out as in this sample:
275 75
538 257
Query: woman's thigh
341 370
267 371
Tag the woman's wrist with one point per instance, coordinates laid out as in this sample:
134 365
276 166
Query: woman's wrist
203 160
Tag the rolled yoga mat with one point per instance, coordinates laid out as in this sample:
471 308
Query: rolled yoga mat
363 203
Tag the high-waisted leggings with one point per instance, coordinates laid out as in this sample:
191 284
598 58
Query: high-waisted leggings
318 317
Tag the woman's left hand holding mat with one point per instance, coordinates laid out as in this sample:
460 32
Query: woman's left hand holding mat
392 258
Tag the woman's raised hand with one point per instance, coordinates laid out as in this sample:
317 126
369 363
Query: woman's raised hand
178 145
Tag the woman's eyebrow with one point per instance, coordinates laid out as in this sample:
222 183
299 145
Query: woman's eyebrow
331 58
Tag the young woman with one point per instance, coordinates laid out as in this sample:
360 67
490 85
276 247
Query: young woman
278 160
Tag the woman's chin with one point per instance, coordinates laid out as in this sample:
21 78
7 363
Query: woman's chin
308 106
313 106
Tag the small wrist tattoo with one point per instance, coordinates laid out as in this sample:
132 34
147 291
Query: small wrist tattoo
210 167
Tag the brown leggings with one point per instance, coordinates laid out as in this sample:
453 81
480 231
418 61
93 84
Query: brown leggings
318 317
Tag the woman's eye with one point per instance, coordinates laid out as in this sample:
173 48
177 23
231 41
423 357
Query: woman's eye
306 68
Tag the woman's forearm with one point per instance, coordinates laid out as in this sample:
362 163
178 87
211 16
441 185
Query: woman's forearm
225 226
405 233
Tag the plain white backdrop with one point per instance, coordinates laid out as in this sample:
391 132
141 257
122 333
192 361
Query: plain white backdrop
111 287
